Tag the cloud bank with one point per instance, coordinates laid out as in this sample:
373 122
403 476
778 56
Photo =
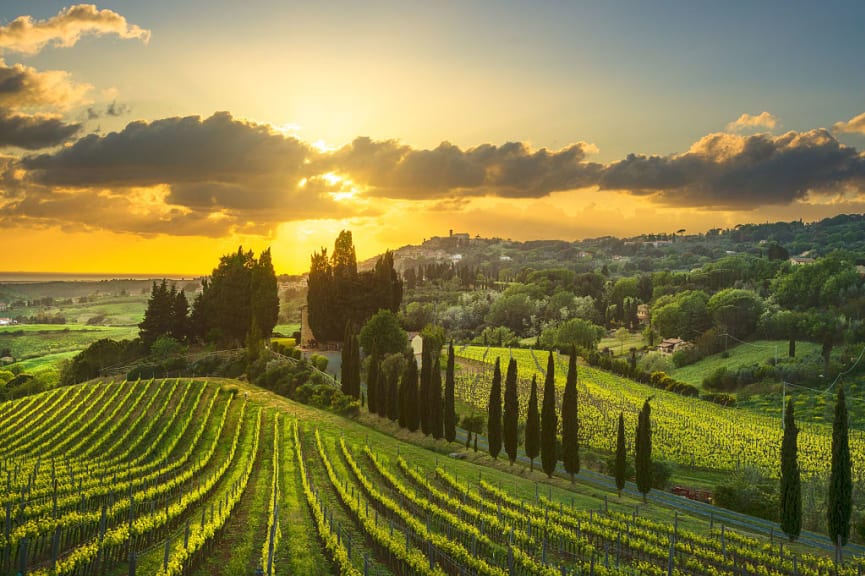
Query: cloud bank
854 125
211 176
750 121
28 36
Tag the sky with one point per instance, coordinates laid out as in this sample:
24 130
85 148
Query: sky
153 137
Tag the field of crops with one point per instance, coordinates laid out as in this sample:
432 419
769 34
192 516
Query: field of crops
188 477
687 431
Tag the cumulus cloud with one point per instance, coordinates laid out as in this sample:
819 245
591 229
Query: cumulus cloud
514 170
32 132
217 175
28 36
855 124
25 87
753 121
726 171
214 176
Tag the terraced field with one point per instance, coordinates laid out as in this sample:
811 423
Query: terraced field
192 477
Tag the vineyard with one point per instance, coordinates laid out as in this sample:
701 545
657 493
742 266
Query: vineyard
686 431
172 477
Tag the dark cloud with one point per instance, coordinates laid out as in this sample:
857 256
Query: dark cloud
33 132
114 109
25 87
186 175
513 170
726 171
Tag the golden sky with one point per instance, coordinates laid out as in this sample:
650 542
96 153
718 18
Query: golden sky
153 138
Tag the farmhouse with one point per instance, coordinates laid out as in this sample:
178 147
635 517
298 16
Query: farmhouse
670 345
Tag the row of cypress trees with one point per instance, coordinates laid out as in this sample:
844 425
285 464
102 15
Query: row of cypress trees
542 428
416 401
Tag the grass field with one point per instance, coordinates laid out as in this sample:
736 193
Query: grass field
196 469
745 355
618 348
27 341
287 329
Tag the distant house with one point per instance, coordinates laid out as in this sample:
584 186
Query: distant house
643 313
7 321
670 345
800 260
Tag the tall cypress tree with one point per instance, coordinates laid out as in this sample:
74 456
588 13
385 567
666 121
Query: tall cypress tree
510 416
381 390
435 401
412 409
643 450
345 369
840 481
393 398
533 425
355 366
372 381
424 390
791 488
549 421
621 456
494 413
570 420
450 415
402 393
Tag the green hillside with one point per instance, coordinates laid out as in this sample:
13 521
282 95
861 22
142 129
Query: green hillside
222 477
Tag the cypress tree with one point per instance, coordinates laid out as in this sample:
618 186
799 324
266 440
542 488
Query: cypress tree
355 365
381 390
393 399
435 400
791 488
423 391
510 416
549 421
411 398
643 450
450 415
570 420
494 413
621 456
402 393
840 481
345 370
533 426
372 381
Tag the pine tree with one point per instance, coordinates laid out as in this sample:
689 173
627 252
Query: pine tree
549 420
533 426
265 294
450 416
791 488
643 450
570 420
179 329
158 315
621 456
435 401
840 481
372 381
494 413
510 415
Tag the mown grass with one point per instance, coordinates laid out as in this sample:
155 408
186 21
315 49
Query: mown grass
43 339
